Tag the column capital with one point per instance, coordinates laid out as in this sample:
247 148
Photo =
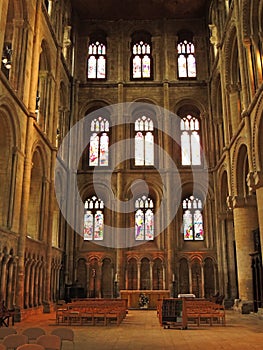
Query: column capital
243 202
258 179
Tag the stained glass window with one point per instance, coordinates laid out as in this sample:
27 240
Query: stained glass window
141 58
193 219
93 219
96 64
144 141
99 142
190 141
144 219
186 59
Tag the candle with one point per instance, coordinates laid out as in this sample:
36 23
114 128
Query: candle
173 277
116 277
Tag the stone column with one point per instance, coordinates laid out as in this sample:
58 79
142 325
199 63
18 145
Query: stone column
26 284
151 275
258 183
3 277
32 283
28 160
40 292
202 281
245 220
190 278
88 279
36 284
163 271
17 45
138 274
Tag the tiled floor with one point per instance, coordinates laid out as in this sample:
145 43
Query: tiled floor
141 330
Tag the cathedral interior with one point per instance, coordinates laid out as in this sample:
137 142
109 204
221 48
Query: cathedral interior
177 207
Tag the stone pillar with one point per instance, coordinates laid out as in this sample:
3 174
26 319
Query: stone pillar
3 278
258 183
28 160
164 281
17 44
151 275
40 292
32 284
138 274
37 283
98 280
26 285
88 279
245 220
190 278
203 281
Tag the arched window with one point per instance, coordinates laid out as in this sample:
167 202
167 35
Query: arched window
99 142
7 59
144 141
190 140
93 219
141 56
144 219
186 55
193 219
96 63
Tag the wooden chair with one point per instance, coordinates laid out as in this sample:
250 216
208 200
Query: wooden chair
13 341
33 333
65 334
31 347
50 341
6 331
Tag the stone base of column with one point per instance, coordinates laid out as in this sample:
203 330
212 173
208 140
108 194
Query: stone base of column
17 314
260 313
243 306
228 303
46 307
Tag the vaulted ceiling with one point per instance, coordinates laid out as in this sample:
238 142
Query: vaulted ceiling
140 9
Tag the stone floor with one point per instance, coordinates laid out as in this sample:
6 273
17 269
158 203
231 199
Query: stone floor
141 330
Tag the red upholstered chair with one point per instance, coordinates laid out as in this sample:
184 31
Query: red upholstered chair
30 347
65 334
33 333
50 341
14 340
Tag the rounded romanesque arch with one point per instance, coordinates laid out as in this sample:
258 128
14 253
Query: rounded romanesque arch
241 169
230 45
257 139
38 191
8 163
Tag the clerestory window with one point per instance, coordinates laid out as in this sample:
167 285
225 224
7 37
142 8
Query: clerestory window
93 219
97 59
141 56
190 140
193 219
144 219
144 141
186 60
99 142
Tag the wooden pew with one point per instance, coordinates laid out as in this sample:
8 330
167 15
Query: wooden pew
92 312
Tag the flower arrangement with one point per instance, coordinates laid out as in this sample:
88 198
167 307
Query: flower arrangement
143 300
